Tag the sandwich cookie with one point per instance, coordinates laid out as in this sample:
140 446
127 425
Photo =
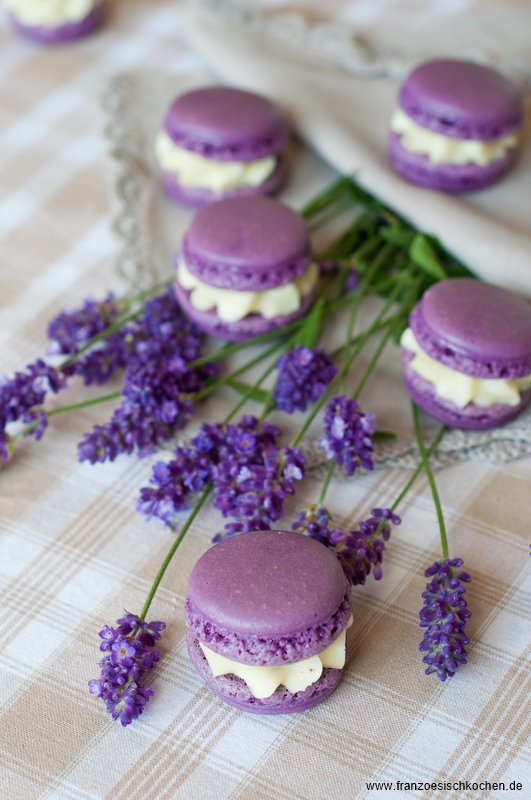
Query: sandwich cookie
267 614
456 127
54 21
219 142
245 268
467 353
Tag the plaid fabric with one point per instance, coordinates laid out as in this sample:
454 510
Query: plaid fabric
73 553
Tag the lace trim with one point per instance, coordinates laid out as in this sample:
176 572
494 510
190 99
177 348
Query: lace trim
130 185
336 42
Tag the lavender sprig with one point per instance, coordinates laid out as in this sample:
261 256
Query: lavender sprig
158 386
359 551
250 472
348 435
73 329
362 549
129 655
445 611
444 617
304 375
21 400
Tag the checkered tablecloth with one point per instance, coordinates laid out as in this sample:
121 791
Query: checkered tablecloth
74 554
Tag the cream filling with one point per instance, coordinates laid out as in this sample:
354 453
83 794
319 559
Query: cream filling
50 12
232 305
442 149
264 681
462 389
192 169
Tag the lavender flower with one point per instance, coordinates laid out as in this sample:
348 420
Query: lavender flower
316 522
21 399
161 319
73 328
303 377
359 551
353 278
444 617
129 654
156 404
158 386
362 549
174 483
253 476
348 434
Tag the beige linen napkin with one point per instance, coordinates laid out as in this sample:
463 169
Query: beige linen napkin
340 99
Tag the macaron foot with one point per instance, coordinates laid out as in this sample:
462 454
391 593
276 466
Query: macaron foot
194 197
471 416
60 34
234 691
451 178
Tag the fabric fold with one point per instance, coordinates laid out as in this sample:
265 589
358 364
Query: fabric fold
345 119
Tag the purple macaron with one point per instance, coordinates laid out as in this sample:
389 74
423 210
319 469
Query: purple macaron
221 142
267 599
245 268
475 329
456 126
60 33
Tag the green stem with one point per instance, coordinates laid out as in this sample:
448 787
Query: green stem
63 409
355 339
376 357
392 322
171 552
326 482
431 480
246 396
219 382
328 196
431 449
349 358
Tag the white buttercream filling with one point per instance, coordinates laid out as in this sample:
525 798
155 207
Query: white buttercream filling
231 305
459 388
192 169
264 681
50 13
442 149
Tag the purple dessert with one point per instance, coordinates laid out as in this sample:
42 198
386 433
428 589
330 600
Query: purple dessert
268 599
245 267
62 32
221 142
456 126
467 353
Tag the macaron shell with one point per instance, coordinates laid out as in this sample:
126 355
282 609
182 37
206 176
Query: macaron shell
246 328
475 328
268 597
234 691
194 197
471 417
461 99
452 178
61 34
246 244
226 124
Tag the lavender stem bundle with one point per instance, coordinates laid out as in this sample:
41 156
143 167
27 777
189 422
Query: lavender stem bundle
148 343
